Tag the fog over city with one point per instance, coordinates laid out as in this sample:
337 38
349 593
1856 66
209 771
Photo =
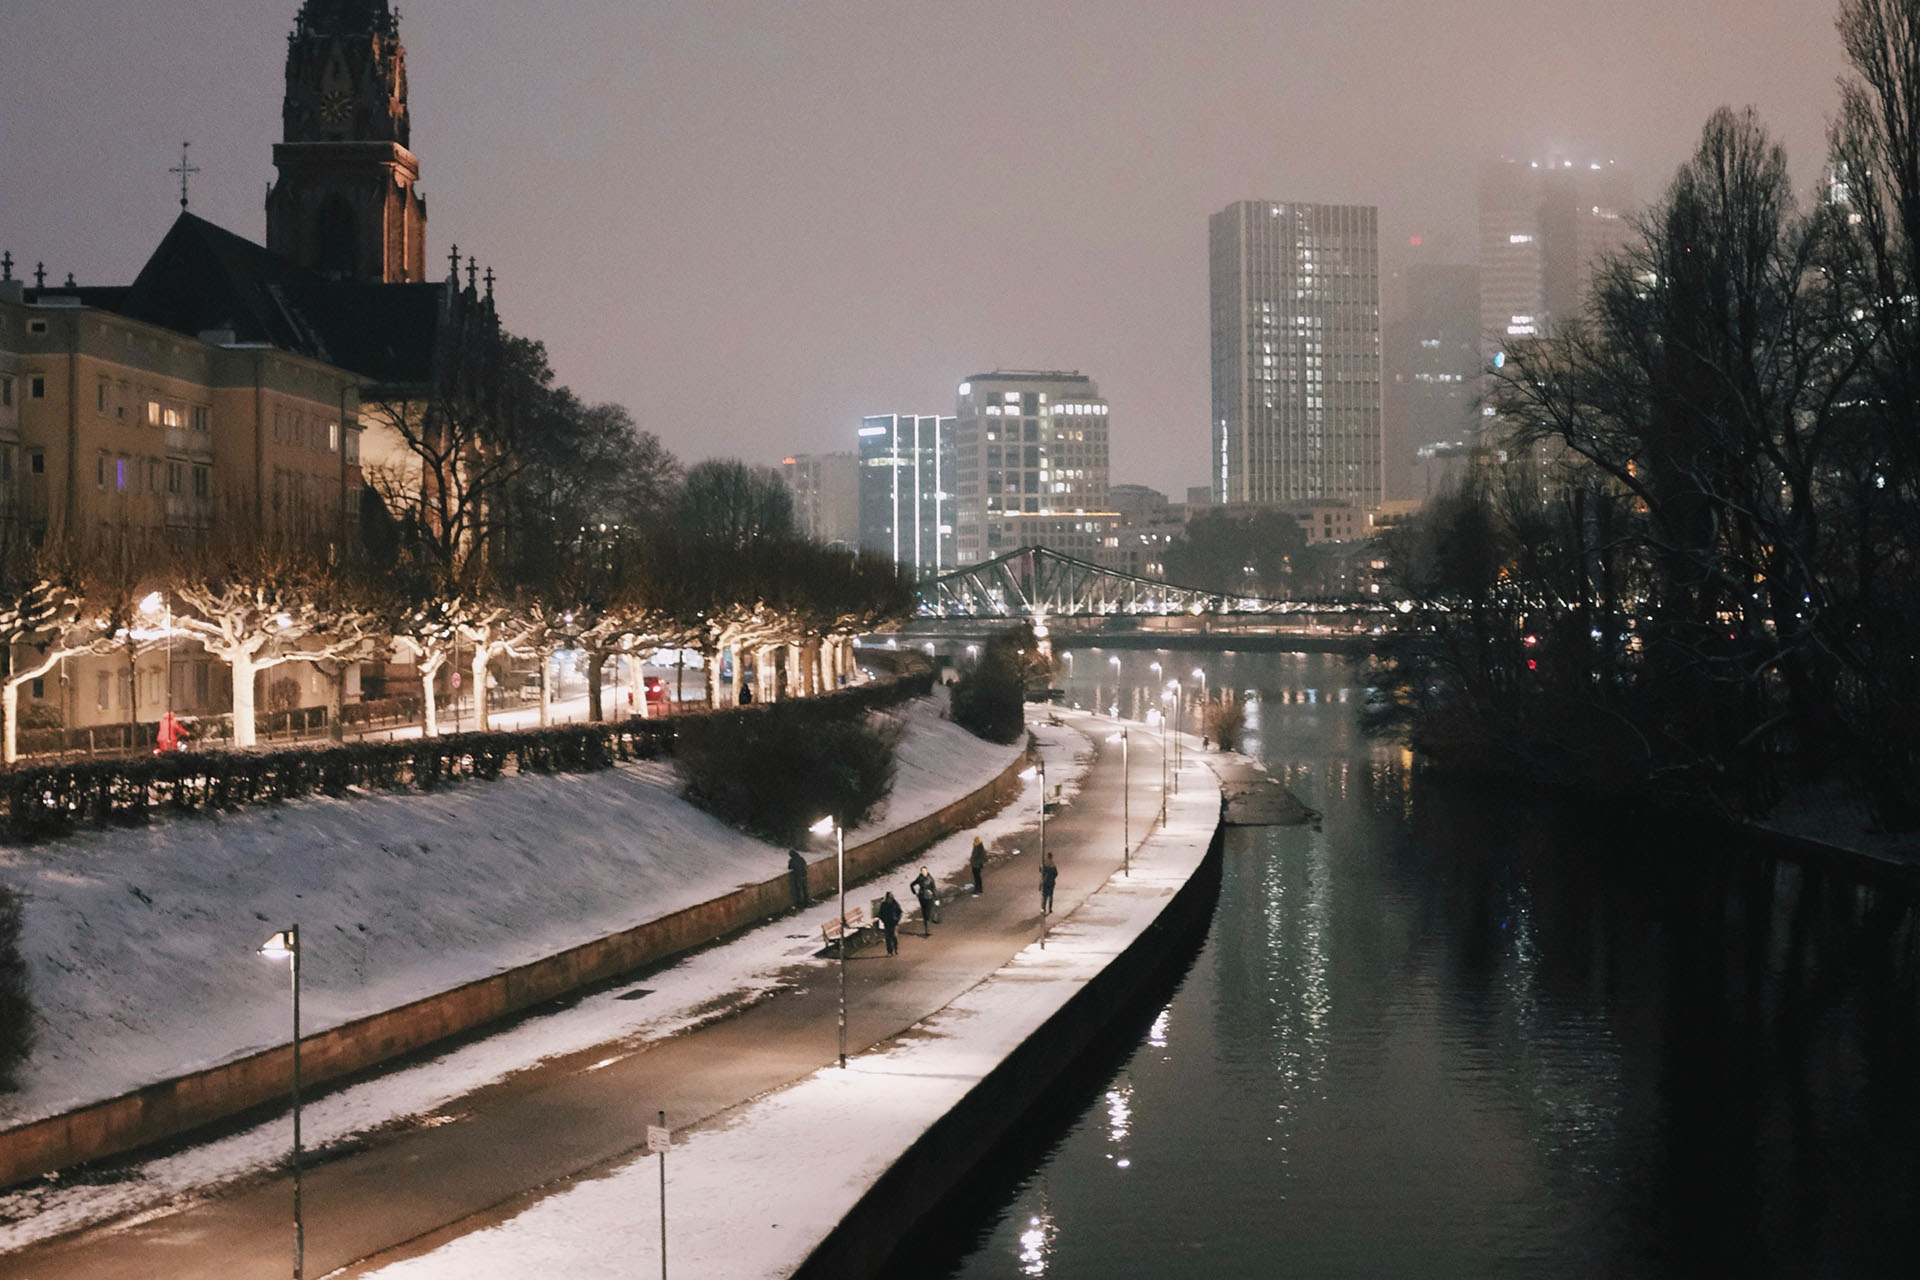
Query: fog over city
754 222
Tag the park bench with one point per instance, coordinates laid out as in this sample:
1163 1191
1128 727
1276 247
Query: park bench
860 924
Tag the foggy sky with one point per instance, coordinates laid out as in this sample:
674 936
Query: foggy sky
752 222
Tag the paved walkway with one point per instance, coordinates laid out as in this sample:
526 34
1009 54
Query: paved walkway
498 1150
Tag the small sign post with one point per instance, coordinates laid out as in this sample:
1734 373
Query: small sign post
659 1138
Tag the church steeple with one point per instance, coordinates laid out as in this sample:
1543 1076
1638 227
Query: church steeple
345 203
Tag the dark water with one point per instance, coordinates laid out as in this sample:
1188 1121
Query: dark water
1462 1033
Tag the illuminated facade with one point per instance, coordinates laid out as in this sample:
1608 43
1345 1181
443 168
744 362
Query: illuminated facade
1031 466
906 490
826 495
1296 354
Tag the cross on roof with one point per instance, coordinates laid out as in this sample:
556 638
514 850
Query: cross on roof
453 263
6 265
186 170
39 275
489 282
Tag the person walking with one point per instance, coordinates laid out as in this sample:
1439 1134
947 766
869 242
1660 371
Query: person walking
889 914
797 879
1049 874
926 891
978 861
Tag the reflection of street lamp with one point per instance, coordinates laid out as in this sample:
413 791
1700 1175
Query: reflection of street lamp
821 828
286 946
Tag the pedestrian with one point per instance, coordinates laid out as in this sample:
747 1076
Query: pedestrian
797 879
925 890
1048 875
889 914
978 861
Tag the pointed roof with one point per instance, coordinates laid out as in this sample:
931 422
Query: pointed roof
203 277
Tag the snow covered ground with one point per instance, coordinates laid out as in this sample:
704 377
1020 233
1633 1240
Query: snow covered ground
938 763
142 943
754 1195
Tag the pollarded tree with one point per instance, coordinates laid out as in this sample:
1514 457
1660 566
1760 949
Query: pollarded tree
258 598
45 617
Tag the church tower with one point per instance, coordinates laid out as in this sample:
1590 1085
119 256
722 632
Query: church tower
345 203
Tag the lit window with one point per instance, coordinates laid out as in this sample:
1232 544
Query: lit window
153 413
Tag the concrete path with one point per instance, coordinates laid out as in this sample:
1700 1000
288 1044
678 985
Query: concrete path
496 1151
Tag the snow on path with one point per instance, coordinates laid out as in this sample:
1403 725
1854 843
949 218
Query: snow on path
141 943
753 1196
938 764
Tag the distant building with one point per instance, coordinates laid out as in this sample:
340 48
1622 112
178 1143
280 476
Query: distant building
1138 504
1032 466
1296 353
826 495
906 490
1544 226
1433 373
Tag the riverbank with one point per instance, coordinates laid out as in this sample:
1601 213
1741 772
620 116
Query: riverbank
829 1176
141 943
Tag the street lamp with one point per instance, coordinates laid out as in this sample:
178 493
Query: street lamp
1126 792
821 828
1178 695
1039 769
285 945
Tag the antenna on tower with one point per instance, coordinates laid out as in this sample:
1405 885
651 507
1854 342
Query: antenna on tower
186 170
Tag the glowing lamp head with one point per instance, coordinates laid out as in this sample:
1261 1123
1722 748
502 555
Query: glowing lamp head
824 827
279 947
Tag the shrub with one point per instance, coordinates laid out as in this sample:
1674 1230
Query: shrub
283 694
16 1005
776 770
41 715
1226 720
989 697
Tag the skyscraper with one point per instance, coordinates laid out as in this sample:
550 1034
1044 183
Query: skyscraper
826 495
906 490
1296 354
1433 366
1544 226
1031 466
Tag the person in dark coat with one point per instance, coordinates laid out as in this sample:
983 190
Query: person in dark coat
1049 874
889 914
978 861
797 878
927 892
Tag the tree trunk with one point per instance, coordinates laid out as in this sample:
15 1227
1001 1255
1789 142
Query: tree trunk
10 708
245 733
733 684
480 709
546 689
595 661
429 668
711 663
336 676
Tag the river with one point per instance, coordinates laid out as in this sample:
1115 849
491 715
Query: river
1460 1032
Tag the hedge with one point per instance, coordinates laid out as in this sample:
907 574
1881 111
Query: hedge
50 800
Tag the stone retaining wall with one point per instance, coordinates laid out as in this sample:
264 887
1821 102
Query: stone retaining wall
173 1107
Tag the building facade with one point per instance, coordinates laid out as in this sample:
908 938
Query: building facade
1296 346
1032 466
120 434
906 490
1544 226
826 495
1433 374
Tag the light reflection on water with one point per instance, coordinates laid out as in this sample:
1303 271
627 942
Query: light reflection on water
1464 1033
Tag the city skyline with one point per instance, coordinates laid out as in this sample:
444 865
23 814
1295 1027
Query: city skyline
688 202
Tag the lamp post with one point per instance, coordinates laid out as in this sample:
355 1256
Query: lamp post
285 945
1039 770
821 828
1175 692
1126 820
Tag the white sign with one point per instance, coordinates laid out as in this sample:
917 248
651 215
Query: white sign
658 1140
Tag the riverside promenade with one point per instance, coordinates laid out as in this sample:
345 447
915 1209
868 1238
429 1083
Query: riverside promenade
466 1189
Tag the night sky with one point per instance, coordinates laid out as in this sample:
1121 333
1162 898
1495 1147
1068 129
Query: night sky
752 222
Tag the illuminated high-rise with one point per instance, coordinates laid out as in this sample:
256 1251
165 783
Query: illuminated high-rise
1296 354
906 490
1544 226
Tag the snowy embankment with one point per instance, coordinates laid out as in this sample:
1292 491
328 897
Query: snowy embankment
141 943
755 1195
